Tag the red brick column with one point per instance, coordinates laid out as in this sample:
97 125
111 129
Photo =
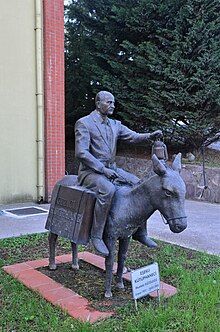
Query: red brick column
53 11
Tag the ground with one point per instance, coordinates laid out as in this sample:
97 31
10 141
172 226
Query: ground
194 309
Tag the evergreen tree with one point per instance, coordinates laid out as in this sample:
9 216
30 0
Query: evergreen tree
160 58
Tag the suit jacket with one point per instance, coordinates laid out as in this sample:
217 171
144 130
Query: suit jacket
93 149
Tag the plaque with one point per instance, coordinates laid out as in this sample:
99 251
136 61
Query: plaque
71 213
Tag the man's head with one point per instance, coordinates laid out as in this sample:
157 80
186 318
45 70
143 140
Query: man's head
105 103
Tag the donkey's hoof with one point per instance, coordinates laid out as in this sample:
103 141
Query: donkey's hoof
120 285
52 266
108 294
126 270
75 266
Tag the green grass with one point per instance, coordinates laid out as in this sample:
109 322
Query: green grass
194 309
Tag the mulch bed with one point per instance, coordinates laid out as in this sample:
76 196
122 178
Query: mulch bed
88 282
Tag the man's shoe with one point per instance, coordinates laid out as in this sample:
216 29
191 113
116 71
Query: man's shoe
145 240
100 246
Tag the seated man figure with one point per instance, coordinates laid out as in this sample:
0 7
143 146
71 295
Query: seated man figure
96 139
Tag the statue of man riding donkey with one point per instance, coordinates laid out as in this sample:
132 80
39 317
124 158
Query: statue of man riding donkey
119 203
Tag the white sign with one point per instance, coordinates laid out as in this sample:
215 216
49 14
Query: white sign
145 280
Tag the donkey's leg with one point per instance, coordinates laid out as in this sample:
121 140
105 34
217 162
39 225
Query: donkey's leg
109 261
52 238
75 264
122 253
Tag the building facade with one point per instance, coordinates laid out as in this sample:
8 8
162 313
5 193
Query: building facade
31 99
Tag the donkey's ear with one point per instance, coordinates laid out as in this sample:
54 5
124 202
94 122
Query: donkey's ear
176 165
158 166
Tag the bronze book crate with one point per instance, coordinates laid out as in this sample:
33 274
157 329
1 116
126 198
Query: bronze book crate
71 213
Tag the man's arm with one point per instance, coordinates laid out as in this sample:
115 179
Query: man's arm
127 134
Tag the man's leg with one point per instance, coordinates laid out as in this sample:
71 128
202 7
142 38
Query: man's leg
141 236
104 190
141 233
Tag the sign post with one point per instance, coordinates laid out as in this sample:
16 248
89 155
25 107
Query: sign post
144 281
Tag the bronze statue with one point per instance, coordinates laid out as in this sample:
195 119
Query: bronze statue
96 139
131 207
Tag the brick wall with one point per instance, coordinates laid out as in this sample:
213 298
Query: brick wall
54 93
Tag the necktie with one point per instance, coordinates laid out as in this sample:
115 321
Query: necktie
108 132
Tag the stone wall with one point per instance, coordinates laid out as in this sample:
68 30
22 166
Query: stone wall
192 175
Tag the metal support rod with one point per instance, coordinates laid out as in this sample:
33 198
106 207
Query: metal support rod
203 166
39 101
135 304
158 295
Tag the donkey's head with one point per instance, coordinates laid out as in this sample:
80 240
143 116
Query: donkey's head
168 193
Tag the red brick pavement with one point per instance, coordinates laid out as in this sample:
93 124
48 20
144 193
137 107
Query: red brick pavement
77 306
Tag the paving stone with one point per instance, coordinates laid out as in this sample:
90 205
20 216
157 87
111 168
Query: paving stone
51 285
95 260
73 302
15 269
32 278
58 294
97 315
64 258
87 315
38 263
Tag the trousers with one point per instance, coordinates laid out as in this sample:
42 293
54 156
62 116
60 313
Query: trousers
105 191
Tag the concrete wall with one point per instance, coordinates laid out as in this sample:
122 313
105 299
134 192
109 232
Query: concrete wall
17 101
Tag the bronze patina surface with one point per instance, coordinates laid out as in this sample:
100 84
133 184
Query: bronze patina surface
122 203
71 213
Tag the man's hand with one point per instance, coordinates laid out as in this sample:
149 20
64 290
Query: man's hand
110 173
156 134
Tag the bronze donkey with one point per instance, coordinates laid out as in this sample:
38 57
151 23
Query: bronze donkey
132 206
